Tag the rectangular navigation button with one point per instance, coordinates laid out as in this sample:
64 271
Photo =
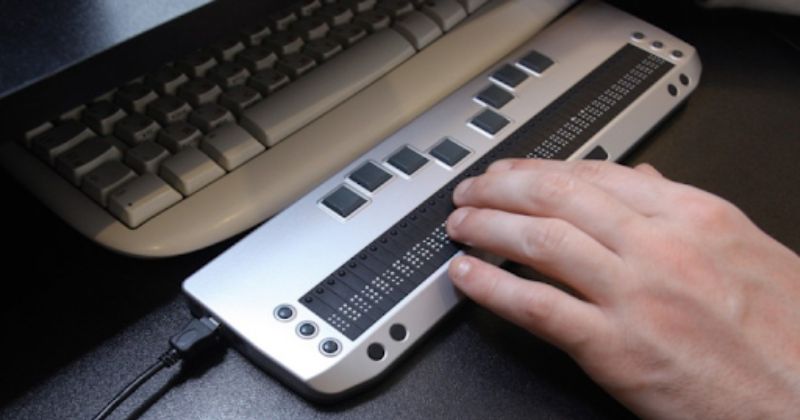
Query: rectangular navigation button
343 201
490 121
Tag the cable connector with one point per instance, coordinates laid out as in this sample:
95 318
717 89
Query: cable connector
195 337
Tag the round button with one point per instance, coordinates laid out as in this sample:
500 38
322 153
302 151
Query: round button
284 313
375 351
637 36
684 79
307 329
672 90
398 332
677 53
658 45
330 347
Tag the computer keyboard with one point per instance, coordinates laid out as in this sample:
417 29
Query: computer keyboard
220 140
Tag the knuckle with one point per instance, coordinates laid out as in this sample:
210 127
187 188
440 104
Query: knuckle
590 170
709 212
538 308
488 293
551 188
544 240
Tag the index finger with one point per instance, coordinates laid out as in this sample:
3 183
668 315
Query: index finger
639 189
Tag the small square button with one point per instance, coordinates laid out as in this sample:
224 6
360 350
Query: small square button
449 152
509 75
407 160
489 121
536 62
370 176
343 201
495 96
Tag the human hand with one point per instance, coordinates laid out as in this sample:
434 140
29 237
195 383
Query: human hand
682 307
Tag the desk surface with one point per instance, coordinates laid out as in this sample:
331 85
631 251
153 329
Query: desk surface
42 39
79 322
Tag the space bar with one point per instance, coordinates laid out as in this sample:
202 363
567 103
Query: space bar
288 110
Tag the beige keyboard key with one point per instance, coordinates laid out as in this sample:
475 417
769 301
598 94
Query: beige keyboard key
104 179
286 111
226 49
446 13
472 5
176 137
141 198
85 157
58 140
197 64
190 170
239 98
257 58
146 157
135 97
136 129
101 116
167 80
418 29
35 131
230 146
210 116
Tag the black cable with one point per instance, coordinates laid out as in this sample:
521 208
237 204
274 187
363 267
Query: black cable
196 336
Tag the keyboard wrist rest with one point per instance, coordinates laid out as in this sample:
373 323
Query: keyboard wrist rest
240 200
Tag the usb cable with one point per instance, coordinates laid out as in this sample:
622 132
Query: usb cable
197 336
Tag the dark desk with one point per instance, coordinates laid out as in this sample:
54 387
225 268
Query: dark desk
79 322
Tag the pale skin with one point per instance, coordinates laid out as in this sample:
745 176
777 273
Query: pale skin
680 306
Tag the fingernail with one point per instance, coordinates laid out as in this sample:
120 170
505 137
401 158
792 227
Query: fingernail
462 188
459 268
456 218
500 165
